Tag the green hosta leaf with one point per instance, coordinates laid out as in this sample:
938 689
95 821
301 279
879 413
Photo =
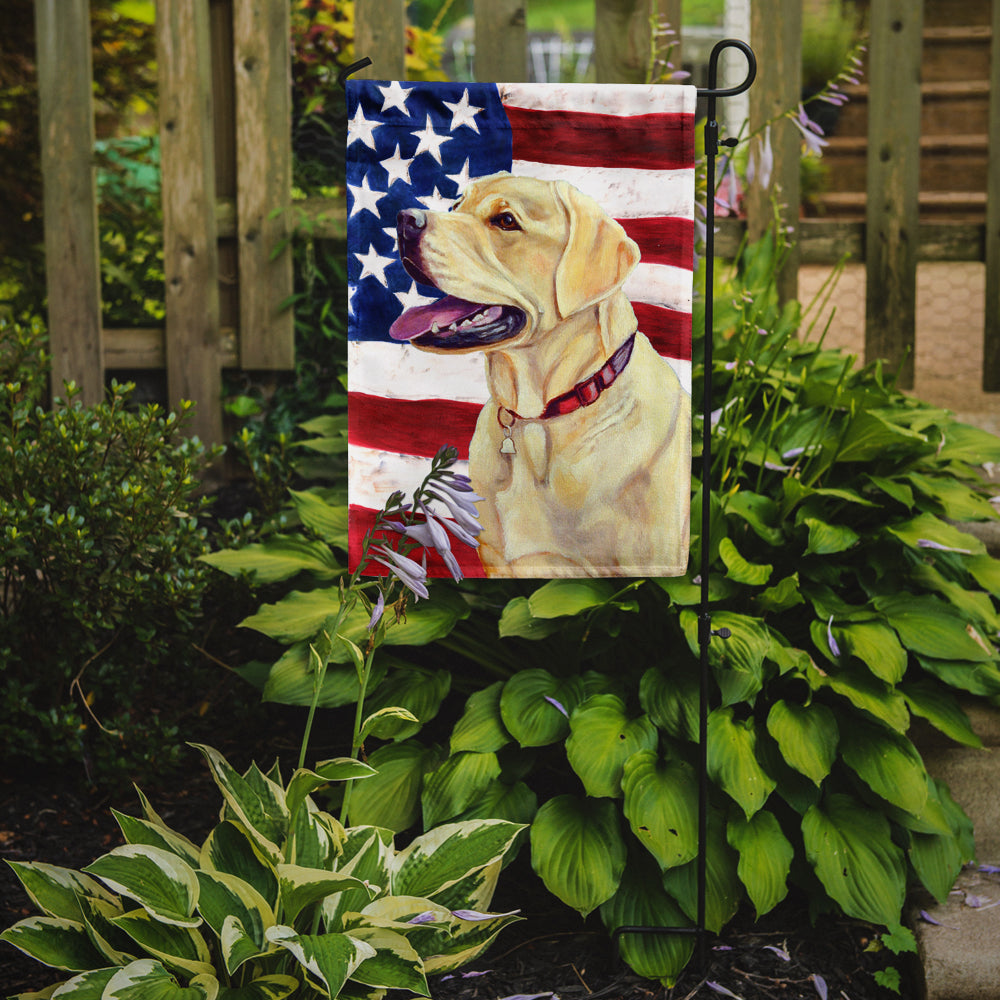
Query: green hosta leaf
54 941
641 901
391 798
87 986
481 728
765 858
327 520
752 574
180 948
304 782
957 501
466 941
578 851
807 736
225 897
732 760
279 558
931 628
758 511
159 881
330 959
850 848
602 738
141 831
230 849
275 987
723 889
783 595
661 798
147 979
738 661
395 964
683 592
301 887
535 706
98 916
976 678
671 700
517 620
974 604
456 784
986 572
56 891
888 763
417 690
941 709
367 853
292 680
869 436
928 528
438 859
558 598
865 692
876 646
937 859
385 723
516 803
260 809
965 443
893 488
828 539
238 944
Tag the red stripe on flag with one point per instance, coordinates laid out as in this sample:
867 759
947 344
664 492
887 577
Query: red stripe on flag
663 239
585 139
410 426
668 331
362 519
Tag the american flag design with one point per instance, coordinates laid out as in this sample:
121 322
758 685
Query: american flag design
419 146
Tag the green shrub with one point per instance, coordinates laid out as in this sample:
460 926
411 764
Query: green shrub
280 899
99 541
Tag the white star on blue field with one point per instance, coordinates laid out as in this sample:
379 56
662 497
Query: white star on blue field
409 146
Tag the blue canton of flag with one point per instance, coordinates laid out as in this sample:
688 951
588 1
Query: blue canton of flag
409 147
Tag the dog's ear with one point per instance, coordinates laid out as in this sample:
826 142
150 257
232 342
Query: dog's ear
598 255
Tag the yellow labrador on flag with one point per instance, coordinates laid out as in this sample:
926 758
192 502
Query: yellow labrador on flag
583 453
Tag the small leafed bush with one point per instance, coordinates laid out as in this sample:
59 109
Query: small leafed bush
99 574
280 899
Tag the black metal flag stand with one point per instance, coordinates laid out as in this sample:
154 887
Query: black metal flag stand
705 631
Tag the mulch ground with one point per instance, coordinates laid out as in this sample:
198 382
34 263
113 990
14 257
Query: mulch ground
551 953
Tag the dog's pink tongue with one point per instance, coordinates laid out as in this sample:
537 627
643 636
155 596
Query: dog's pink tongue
419 319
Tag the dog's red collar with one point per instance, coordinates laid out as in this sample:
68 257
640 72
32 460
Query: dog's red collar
584 393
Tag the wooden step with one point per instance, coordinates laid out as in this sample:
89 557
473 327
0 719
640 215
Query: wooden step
958 206
947 163
956 53
940 13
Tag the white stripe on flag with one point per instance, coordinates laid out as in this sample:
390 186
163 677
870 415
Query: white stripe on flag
624 193
398 371
375 475
608 99
661 285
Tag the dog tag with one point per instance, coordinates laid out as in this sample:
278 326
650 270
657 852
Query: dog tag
507 445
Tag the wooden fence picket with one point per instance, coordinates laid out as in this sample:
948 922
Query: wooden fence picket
380 34
991 332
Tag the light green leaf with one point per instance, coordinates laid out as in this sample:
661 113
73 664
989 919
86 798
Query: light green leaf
528 710
147 979
274 987
941 709
751 574
517 620
301 887
391 798
384 723
671 700
828 539
807 736
986 571
927 527
661 798
330 959
279 558
738 662
417 690
931 628
937 860
292 681
54 941
225 897
86 986
327 520
783 595
515 803
56 891
732 760
758 511
481 728
456 784
602 738
850 848
141 831
395 964
765 858
976 678
559 598
438 859
578 851
866 692
180 948
230 849
870 436
876 646
888 763
640 901
159 881
957 501
304 782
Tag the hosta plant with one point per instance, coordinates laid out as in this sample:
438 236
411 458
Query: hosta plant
279 900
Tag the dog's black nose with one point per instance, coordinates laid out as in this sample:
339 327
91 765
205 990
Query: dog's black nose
410 224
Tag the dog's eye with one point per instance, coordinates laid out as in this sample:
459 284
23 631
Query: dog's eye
505 221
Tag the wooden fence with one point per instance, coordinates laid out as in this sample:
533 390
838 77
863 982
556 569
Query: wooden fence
226 160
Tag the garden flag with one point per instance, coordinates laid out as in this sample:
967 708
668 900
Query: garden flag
519 277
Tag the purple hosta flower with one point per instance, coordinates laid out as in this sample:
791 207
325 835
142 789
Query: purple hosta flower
727 197
719 988
460 501
453 526
820 984
558 705
834 648
990 869
761 164
427 917
927 918
377 611
465 975
531 996
475 915
811 132
780 952
927 543
431 535
411 574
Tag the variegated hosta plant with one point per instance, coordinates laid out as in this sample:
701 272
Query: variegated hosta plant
279 901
